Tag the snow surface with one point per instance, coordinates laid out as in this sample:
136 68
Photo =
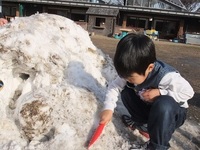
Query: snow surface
55 80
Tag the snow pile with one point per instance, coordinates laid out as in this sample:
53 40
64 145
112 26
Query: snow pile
54 83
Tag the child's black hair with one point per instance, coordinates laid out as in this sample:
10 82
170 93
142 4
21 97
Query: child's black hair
134 53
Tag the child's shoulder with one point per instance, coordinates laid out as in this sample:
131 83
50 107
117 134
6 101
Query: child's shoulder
165 66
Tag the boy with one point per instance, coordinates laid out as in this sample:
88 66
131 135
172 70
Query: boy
153 92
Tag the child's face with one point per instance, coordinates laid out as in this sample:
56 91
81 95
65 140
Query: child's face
136 78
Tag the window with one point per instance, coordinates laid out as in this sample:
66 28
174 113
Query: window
141 23
136 22
159 4
78 17
61 12
144 3
9 11
131 21
167 29
13 11
78 14
100 22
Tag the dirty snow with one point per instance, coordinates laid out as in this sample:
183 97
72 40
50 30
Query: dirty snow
54 85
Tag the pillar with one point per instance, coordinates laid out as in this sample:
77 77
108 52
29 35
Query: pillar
124 21
181 26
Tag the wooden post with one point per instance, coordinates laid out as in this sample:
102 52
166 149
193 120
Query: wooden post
181 26
124 21
17 12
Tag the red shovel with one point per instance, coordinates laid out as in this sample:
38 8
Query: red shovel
96 134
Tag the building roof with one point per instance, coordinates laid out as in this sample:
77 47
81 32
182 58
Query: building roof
102 11
194 7
121 8
176 2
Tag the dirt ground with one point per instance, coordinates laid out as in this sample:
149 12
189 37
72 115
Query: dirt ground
184 57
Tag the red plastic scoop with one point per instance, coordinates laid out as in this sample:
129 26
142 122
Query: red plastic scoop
96 134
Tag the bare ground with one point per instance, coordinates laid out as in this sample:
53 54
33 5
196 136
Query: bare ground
184 57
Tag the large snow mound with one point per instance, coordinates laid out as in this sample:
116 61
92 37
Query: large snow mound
54 84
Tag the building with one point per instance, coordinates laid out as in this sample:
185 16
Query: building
102 20
169 17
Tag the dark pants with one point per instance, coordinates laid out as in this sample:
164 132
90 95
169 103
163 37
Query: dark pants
163 116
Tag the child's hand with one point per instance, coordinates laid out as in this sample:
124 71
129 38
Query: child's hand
3 21
106 116
150 94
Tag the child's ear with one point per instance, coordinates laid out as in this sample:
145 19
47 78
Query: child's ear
150 67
